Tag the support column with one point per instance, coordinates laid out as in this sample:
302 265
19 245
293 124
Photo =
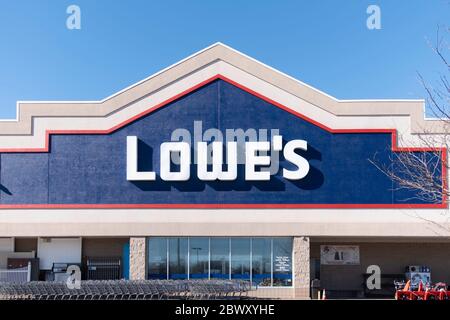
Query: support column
138 258
302 281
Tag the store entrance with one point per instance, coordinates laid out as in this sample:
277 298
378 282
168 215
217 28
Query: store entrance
345 268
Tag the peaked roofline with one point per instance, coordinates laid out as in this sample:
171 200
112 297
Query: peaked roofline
27 110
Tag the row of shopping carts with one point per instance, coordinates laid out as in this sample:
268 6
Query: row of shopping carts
126 290
218 289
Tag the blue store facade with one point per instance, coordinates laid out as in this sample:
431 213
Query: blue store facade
220 167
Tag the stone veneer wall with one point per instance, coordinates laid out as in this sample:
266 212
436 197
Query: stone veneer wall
138 258
301 266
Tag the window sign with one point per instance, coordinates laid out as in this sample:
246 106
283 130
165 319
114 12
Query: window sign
282 263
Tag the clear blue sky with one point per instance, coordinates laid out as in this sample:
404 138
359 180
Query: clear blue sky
323 43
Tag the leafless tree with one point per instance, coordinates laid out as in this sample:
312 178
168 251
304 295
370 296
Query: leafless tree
421 172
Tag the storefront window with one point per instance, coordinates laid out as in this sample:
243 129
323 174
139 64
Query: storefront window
282 262
220 258
157 264
240 258
178 262
264 261
199 258
261 261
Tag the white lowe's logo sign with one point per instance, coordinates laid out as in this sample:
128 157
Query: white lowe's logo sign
250 148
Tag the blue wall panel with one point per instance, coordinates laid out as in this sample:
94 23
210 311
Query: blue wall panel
91 169
24 178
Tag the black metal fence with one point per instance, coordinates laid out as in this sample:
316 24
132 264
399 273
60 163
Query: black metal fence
103 268
127 290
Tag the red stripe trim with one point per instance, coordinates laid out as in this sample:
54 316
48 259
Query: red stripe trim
225 206
395 148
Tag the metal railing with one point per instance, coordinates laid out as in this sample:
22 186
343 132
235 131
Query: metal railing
21 275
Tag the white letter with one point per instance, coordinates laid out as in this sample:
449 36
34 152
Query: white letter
211 135
277 143
277 146
374 280
179 135
132 162
299 161
74 20
185 161
217 159
374 20
252 160
241 136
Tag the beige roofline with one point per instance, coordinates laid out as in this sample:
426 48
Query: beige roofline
27 110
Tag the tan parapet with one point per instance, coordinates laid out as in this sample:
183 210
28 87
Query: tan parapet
29 111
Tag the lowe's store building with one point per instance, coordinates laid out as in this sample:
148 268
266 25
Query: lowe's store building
220 167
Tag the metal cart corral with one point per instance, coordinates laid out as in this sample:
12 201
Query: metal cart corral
128 290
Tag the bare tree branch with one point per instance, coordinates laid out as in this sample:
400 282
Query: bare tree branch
420 173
